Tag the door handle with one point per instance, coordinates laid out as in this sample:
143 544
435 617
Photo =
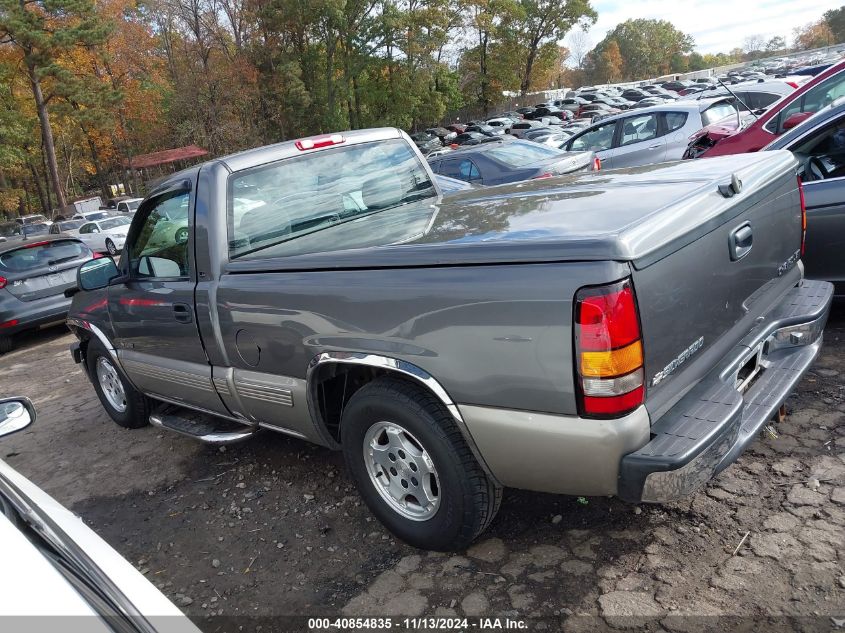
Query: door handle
741 241
182 312
658 146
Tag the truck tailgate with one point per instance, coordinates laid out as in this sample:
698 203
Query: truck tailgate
697 302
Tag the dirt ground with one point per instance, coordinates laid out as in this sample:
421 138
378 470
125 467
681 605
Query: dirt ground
272 527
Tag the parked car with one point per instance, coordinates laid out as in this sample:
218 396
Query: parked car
753 97
33 278
819 145
457 128
486 130
472 138
91 216
111 203
511 162
503 122
571 103
426 143
519 129
68 227
32 230
129 206
107 235
56 568
33 218
651 135
785 114
555 335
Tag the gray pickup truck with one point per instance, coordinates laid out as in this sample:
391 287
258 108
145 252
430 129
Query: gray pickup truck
616 333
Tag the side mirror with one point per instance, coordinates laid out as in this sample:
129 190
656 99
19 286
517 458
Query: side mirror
96 273
15 414
795 119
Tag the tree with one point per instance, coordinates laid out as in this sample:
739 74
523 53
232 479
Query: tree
41 31
777 43
609 66
646 47
537 23
835 19
813 35
754 45
579 44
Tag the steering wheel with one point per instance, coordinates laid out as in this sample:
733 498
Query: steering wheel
816 168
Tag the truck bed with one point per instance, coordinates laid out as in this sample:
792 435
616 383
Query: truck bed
638 214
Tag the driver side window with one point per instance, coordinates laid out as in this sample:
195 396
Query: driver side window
159 246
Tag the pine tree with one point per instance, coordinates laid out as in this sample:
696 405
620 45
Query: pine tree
41 31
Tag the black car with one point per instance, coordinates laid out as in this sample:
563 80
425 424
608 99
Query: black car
473 138
34 274
425 142
549 111
495 164
486 130
634 94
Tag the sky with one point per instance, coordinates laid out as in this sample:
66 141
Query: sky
716 25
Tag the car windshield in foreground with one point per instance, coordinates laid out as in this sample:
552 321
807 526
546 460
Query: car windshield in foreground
40 254
113 223
294 197
522 154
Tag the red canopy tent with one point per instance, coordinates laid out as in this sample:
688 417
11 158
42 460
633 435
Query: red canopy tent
145 162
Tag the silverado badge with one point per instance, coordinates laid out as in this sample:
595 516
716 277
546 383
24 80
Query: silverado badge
679 360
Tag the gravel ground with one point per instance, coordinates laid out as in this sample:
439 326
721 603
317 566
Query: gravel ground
273 527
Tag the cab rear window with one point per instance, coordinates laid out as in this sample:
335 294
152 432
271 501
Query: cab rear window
42 254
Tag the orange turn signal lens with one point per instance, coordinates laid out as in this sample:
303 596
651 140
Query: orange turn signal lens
613 363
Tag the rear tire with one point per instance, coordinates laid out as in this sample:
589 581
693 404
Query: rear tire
127 406
392 432
7 344
111 248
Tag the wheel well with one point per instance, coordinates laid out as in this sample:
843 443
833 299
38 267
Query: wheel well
333 384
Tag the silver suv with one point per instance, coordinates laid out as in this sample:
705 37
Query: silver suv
651 135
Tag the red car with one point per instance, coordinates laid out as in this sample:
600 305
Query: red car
809 98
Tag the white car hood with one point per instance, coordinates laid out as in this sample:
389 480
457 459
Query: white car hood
31 585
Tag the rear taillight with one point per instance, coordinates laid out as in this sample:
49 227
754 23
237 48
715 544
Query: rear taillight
317 142
791 83
803 214
11 323
596 164
96 255
3 282
608 351
543 175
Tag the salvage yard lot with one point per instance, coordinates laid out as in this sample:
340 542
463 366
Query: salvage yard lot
274 527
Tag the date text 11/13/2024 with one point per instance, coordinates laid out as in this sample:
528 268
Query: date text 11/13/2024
423 623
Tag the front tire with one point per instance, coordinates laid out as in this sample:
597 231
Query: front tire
413 467
127 406
111 248
7 344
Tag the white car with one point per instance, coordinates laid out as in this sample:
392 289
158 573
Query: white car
54 565
90 216
129 206
106 235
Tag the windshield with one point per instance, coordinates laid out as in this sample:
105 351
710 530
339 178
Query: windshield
69 225
133 204
33 219
97 215
113 223
522 154
294 197
717 112
41 254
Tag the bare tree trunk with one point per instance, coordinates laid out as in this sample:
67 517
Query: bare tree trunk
46 133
